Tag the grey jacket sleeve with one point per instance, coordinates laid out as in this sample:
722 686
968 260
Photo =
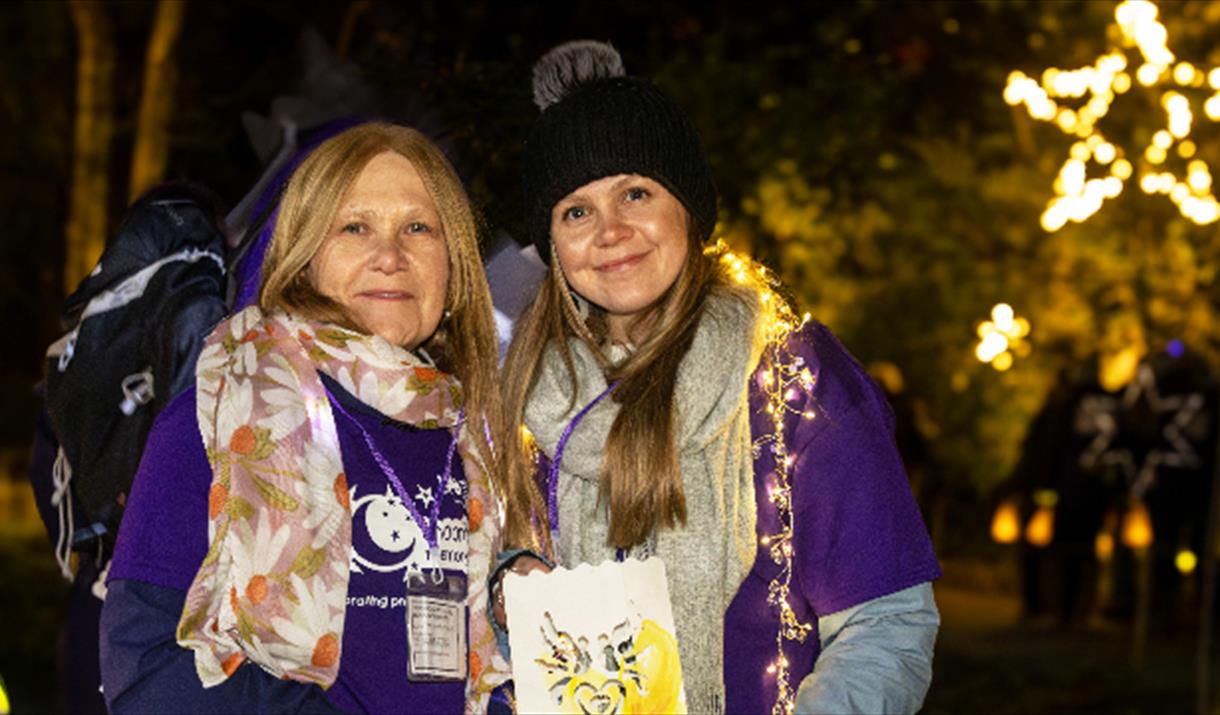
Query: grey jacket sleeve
876 657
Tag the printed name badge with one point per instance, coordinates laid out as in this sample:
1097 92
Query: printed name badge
436 626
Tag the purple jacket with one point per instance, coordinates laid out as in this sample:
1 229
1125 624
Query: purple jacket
858 533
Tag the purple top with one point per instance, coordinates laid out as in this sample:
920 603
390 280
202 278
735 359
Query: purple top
163 539
858 531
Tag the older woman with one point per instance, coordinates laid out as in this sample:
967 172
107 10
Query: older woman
681 411
311 526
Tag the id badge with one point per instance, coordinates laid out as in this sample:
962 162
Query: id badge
436 626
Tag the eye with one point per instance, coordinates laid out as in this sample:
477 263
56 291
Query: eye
574 213
418 227
636 193
355 228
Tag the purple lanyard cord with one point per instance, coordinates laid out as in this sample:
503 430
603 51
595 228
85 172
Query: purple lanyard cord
552 497
428 529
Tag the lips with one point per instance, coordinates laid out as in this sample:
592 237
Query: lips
621 264
386 295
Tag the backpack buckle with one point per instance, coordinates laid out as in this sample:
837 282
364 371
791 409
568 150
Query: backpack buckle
137 390
65 357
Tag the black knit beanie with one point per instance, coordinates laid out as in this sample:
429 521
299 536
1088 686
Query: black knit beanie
596 123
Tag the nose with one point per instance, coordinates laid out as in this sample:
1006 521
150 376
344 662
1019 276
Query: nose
387 255
613 228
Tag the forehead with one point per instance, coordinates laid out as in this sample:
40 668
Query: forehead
388 176
609 184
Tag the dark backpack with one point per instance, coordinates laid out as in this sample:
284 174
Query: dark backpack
137 324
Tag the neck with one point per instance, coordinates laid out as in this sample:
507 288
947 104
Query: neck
619 328
629 329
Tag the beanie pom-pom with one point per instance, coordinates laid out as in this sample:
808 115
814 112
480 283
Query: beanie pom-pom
572 64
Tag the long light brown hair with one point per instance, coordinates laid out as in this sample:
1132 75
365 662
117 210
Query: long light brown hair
641 483
465 342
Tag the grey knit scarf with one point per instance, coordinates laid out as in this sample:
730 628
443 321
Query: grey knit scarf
707 559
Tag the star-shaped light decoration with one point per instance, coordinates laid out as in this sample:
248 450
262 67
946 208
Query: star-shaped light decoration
1139 432
1077 196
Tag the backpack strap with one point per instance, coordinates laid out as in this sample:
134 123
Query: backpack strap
61 499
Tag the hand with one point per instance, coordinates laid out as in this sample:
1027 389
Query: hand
523 564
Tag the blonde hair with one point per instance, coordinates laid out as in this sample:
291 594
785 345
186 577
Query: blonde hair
641 482
465 343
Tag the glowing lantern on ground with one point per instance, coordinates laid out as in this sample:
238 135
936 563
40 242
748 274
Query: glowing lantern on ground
1137 527
1006 523
1041 527
1103 546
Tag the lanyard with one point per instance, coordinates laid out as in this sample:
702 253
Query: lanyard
427 528
552 496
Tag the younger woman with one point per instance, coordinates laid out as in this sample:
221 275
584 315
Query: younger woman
681 411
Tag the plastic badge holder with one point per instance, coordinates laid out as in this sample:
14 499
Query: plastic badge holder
436 627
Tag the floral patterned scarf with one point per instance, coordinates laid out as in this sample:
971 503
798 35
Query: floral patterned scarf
273 586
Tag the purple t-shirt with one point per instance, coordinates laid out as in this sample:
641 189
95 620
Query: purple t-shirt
163 539
858 531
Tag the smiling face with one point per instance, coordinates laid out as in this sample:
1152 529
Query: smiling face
384 258
621 242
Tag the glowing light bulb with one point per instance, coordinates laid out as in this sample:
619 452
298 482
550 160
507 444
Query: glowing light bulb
1104 153
1148 74
1185 561
1211 107
1067 119
990 347
1200 181
1002 314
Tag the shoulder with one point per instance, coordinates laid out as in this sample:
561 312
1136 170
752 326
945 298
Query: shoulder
174 453
835 380
178 419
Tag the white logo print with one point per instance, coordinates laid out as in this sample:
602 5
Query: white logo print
392 530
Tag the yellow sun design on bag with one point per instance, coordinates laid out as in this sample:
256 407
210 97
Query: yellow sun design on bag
633 669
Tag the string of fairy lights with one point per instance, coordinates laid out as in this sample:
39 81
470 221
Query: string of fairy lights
1096 169
785 382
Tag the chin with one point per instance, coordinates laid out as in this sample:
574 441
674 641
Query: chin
394 335
630 307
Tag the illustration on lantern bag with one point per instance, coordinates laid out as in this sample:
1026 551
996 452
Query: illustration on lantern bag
594 639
